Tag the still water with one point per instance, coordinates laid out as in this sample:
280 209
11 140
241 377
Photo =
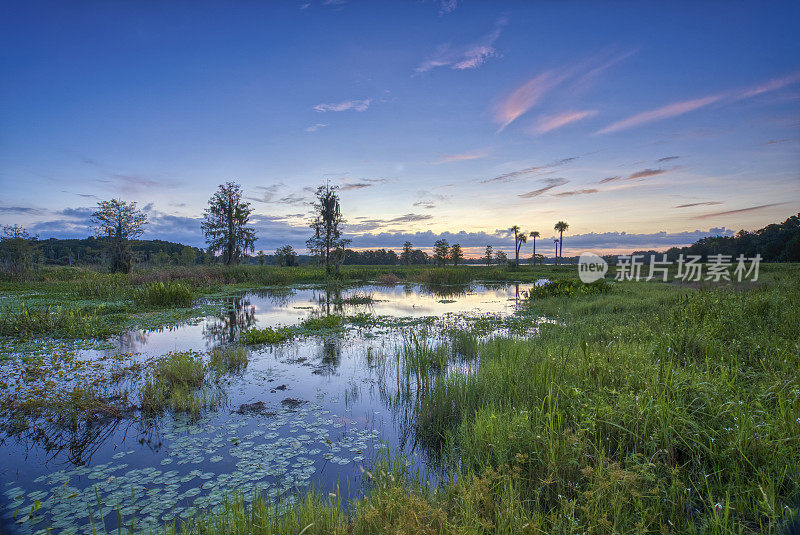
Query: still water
306 413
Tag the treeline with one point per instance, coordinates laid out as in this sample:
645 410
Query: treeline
777 242
92 250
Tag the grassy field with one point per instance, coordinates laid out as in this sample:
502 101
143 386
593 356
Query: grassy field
642 408
650 408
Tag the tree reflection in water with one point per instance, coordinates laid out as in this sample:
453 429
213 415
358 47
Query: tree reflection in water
330 355
239 315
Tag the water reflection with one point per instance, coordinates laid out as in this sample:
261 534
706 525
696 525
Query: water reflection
323 387
238 315
330 356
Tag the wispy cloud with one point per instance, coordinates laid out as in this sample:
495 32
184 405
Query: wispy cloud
549 123
447 158
268 193
528 171
464 57
526 96
679 108
644 173
447 6
365 224
550 183
315 127
667 159
690 205
776 141
345 105
349 183
132 184
532 92
576 192
740 210
658 114
19 210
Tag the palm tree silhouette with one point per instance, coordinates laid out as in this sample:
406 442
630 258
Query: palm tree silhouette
561 226
535 234
515 228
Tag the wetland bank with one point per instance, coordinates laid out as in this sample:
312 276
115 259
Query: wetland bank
361 407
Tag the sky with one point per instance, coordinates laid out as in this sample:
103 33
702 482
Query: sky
642 125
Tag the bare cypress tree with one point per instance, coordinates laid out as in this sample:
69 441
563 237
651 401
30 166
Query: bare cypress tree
120 222
327 241
225 225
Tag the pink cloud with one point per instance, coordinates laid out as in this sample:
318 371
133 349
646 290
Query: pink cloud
665 112
526 96
534 90
679 108
447 158
552 122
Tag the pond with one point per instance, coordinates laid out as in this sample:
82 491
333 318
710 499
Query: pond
309 412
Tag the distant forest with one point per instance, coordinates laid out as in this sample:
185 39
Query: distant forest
777 242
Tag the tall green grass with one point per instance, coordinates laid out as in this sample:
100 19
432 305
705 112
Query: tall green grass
179 383
161 294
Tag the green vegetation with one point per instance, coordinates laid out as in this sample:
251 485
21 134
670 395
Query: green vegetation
228 359
179 383
646 408
267 335
569 288
163 294
20 321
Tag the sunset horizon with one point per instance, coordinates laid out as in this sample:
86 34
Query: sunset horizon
434 119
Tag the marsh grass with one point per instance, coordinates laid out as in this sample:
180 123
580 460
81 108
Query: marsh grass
569 288
163 294
25 322
330 322
267 335
180 383
658 405
228 359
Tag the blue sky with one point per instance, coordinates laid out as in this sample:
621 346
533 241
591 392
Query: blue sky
640 124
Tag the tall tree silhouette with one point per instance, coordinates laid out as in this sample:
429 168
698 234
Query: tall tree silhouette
519 239
408 251
120 222
327 241
488 255
456 254
441 251
561 226
535 234
225 224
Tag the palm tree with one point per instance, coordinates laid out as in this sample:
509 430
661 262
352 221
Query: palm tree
519 239
535 234
561 226
556 242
